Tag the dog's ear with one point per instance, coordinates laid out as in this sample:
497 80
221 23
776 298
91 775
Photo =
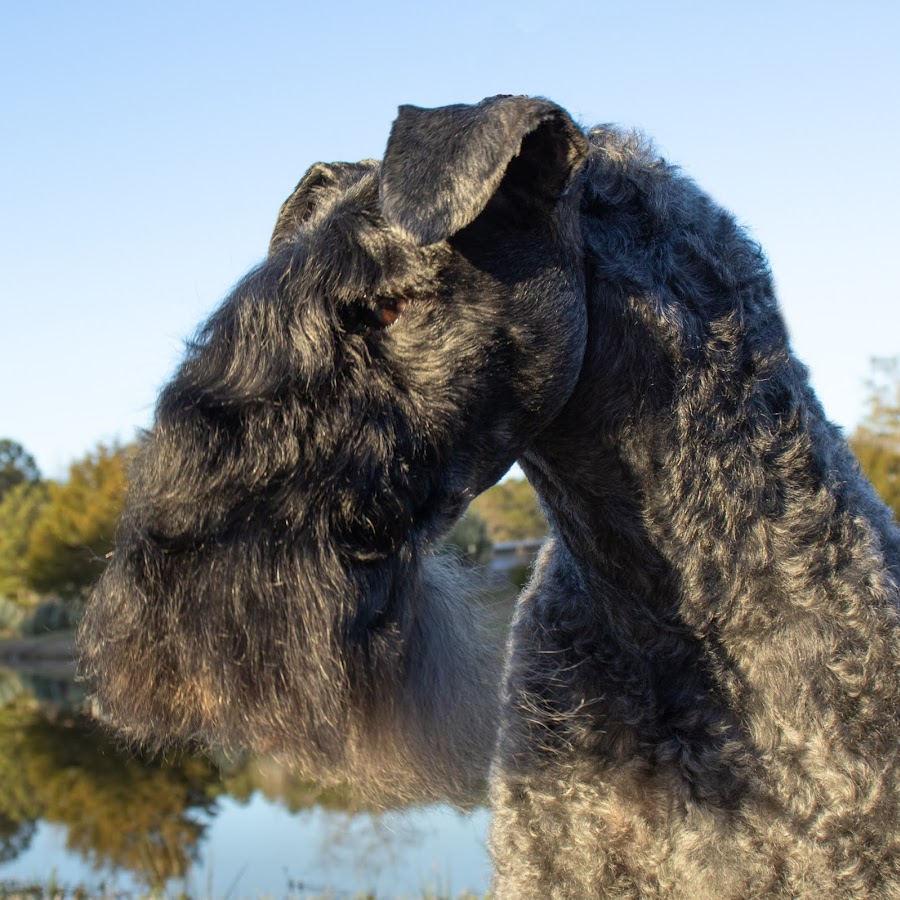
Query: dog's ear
317 184
442 166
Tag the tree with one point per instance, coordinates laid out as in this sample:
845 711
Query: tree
511 511
876 440
74 533
20 509
16 466
468 539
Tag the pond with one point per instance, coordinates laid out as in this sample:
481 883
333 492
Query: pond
77 811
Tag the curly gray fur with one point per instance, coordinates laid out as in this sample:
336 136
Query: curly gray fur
702 679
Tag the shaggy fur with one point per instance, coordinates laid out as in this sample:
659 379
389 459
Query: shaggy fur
702 682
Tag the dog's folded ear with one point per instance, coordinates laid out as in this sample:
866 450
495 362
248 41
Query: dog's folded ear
315 186
443 166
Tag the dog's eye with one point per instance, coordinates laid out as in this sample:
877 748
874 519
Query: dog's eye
387 310
371 314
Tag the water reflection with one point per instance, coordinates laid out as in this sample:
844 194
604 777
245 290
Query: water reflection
119 811
190 820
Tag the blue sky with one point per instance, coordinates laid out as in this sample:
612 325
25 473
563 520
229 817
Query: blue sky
147 147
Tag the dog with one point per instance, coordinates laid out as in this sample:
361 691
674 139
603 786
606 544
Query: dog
699 693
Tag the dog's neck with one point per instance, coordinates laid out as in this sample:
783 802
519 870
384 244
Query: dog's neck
693 451
593 503
752 509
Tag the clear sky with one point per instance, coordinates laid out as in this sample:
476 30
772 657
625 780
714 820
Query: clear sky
146 149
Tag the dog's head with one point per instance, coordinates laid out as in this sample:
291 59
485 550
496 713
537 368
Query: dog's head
415 325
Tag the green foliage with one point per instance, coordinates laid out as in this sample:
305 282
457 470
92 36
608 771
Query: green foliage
71 538
11 617
20 509
17 466
511 511
521 575
49 615
876 441
469 540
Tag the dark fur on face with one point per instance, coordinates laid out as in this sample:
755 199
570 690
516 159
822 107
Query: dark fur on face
702 680
272 585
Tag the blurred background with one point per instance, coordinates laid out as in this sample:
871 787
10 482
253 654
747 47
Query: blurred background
146 150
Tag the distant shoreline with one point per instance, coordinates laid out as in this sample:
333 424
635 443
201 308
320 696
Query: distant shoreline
51 654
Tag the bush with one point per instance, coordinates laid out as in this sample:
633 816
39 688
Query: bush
468 540
11 615
521 575
511 511
20 508
51 615
71 538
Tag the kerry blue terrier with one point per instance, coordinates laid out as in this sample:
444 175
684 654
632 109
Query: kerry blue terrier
702 680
